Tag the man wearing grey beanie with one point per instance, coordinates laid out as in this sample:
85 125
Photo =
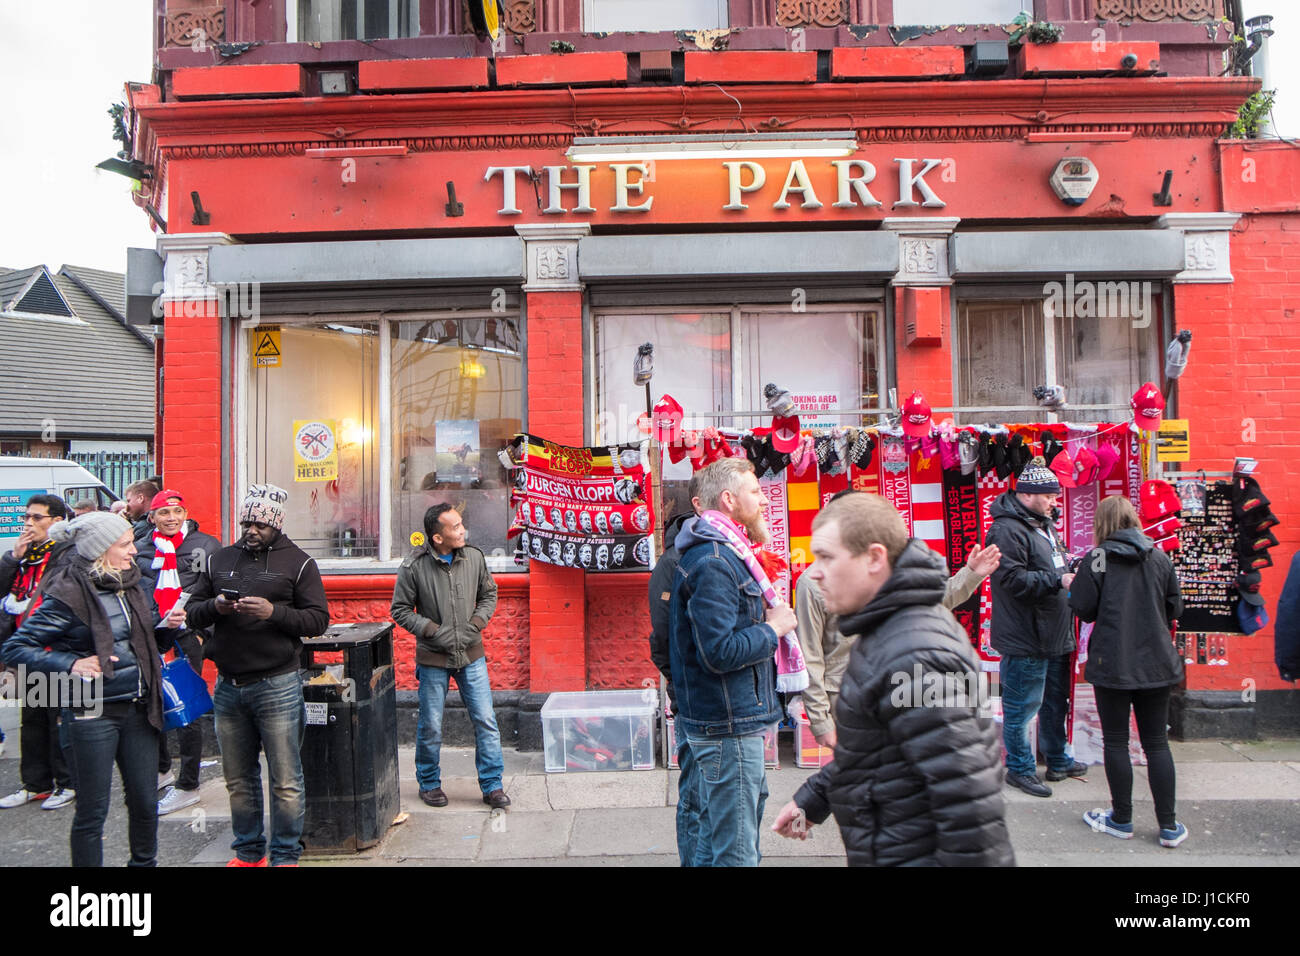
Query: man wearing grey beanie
1032 627
269 596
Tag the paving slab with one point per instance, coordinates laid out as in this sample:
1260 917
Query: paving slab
1176 859
527 793
432 836
629 788
624 832
1199 751
520 836
1279 750
1233 781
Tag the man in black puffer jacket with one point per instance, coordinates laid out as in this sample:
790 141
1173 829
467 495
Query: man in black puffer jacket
916 777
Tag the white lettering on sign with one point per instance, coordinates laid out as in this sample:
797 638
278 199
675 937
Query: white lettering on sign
508 174
852 179
800 175
555 186
858 184
908 180
758 176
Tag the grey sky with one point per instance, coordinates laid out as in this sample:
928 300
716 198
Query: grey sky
64 62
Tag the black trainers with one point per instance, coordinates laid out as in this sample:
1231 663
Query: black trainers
1029 783
434 797
1075 769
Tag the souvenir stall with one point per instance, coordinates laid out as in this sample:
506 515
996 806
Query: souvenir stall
942 478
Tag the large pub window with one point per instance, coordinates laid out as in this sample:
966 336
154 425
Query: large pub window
418 404
1100 350
320 21
609 16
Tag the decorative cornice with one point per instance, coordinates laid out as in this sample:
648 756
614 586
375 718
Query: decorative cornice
417 144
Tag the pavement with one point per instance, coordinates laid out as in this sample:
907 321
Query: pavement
1237 798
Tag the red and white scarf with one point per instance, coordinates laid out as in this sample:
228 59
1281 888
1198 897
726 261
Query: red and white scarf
168 586
791 675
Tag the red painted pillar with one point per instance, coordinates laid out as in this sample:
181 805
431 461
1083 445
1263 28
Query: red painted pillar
556 596
189 399
923 309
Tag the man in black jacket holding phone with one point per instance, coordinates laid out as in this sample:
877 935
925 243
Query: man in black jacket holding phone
269 596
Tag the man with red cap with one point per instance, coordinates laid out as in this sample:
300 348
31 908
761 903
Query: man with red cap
173 557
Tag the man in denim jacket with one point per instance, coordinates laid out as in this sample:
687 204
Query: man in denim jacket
723 642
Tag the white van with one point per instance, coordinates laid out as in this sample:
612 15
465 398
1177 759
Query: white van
20 478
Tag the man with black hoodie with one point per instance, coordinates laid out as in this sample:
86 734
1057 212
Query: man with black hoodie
661 590
269 597
1032 628
915 780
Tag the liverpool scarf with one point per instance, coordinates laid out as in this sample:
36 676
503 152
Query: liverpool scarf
791 676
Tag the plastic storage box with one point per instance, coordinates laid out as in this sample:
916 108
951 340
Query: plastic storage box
808 753
599 730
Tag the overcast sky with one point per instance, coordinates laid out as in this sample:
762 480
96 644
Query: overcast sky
64 62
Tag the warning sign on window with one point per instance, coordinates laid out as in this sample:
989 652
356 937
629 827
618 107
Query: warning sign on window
266 347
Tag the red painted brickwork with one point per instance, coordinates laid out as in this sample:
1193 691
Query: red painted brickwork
751 66
256 79
883 63
569 69
926 367
617 632
556 603
505 638
191 413
1239 393
436 74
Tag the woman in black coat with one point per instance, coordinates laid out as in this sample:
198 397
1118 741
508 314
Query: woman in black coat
1128 588
96 626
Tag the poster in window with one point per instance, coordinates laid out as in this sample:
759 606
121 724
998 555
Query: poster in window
456 451
587 508
315 450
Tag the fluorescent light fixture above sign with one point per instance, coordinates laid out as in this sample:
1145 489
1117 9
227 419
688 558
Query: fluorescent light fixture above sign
608 149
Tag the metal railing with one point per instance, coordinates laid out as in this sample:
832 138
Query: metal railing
117 470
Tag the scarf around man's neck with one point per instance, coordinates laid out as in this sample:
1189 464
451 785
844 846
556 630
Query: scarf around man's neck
791 675
167 587
31 566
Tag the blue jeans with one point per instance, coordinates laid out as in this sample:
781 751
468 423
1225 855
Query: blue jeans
1035 685
476 692
688 803
269 716
732 792
123 735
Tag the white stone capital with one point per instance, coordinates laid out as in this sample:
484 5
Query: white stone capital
1207 244
922 249
185 264
551 256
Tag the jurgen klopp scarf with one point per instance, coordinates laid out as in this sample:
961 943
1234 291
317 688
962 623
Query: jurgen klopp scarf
791 676
168 586
30 568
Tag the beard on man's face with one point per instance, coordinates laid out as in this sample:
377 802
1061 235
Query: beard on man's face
756 527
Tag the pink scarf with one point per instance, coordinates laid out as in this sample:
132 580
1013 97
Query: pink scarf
791 675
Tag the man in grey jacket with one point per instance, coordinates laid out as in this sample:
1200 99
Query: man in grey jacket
445 596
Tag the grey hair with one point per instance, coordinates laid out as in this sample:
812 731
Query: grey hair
726 474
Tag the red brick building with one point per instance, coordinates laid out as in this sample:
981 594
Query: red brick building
440 229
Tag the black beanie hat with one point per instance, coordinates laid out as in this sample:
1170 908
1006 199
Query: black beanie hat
1037 479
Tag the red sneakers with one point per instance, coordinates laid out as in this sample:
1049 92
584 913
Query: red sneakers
238 862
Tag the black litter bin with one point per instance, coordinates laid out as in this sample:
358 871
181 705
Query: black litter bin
349 750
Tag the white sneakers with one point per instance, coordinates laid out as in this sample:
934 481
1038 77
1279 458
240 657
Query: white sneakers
60 797
166 779
19 797
176 799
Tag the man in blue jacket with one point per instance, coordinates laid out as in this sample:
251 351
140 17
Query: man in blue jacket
723 641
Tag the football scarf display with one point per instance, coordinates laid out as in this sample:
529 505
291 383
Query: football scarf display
962 528
778 528
989 487
925 471
791 675
167 587
803 501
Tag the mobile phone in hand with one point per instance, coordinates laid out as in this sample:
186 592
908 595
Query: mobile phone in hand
230 594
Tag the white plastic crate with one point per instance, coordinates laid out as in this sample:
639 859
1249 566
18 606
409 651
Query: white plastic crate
599 730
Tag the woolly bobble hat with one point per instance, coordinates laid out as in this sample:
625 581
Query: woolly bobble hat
91 534
264 504
1037 479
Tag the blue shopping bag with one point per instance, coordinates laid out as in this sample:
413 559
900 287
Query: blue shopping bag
184 693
